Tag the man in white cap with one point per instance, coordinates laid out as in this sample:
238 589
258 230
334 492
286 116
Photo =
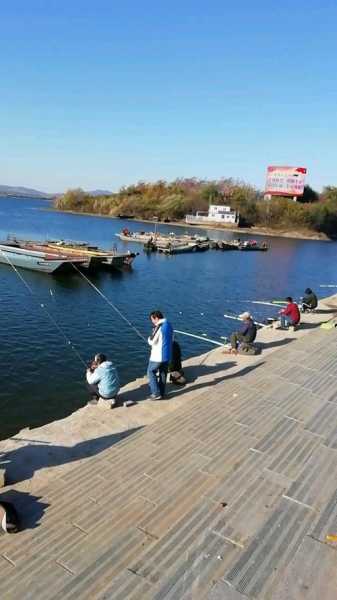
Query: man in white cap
247 333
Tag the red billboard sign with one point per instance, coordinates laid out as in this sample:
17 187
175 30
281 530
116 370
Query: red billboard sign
285 181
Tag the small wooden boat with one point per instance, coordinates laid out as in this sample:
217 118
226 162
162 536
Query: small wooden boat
150 246
252 246
225 245
177 248
202 246
36 260
143 237
98 257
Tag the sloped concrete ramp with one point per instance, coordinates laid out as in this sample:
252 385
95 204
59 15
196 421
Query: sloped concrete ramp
229 497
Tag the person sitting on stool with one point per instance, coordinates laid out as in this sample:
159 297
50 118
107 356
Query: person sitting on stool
103 381
290 315
247 333
309 301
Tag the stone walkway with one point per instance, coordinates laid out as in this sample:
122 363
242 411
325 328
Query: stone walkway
230 496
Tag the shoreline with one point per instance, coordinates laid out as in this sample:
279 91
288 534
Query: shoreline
261 231
55 448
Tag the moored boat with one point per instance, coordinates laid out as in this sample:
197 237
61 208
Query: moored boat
226 245
253 246
36 260
98 257
178 248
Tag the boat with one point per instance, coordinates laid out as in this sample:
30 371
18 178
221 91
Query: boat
36 260
253 246
153 238
202 246
226 245
98 257
150 246
178 248
143 237
120 216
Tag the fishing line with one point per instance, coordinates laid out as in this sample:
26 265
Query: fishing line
110 303
55 323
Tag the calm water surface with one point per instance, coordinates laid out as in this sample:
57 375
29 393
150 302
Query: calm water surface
43 380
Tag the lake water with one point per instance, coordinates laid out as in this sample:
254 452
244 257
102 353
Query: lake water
43 379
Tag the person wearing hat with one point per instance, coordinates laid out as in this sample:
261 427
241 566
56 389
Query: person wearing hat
246 334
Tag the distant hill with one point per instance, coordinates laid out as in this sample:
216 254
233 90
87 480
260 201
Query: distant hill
99 193
23 192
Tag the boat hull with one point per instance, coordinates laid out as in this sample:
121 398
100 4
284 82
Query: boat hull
27 260
179 250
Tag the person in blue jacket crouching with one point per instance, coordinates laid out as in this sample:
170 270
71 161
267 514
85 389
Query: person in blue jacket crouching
103 380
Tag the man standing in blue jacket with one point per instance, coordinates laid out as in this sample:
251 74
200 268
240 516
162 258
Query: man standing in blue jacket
161 350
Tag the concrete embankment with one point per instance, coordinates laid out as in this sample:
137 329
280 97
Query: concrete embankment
230 496
53 449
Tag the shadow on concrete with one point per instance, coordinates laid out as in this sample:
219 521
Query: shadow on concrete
217 380
309 325
264 345
22 463
191 373
194 371
29 508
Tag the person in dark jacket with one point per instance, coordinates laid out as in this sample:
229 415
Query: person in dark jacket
247 333
290 315
175 367
309 301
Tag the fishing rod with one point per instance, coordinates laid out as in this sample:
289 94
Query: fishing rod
238 319
272 303
199 337
55 323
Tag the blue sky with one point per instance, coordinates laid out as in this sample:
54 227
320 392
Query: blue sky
102 94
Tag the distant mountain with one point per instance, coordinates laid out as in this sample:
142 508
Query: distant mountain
23 192
99 193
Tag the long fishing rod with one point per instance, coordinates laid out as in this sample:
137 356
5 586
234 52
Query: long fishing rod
199 337
273 303
55 323
238 319
110 303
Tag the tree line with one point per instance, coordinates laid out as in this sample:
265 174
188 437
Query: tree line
171 201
